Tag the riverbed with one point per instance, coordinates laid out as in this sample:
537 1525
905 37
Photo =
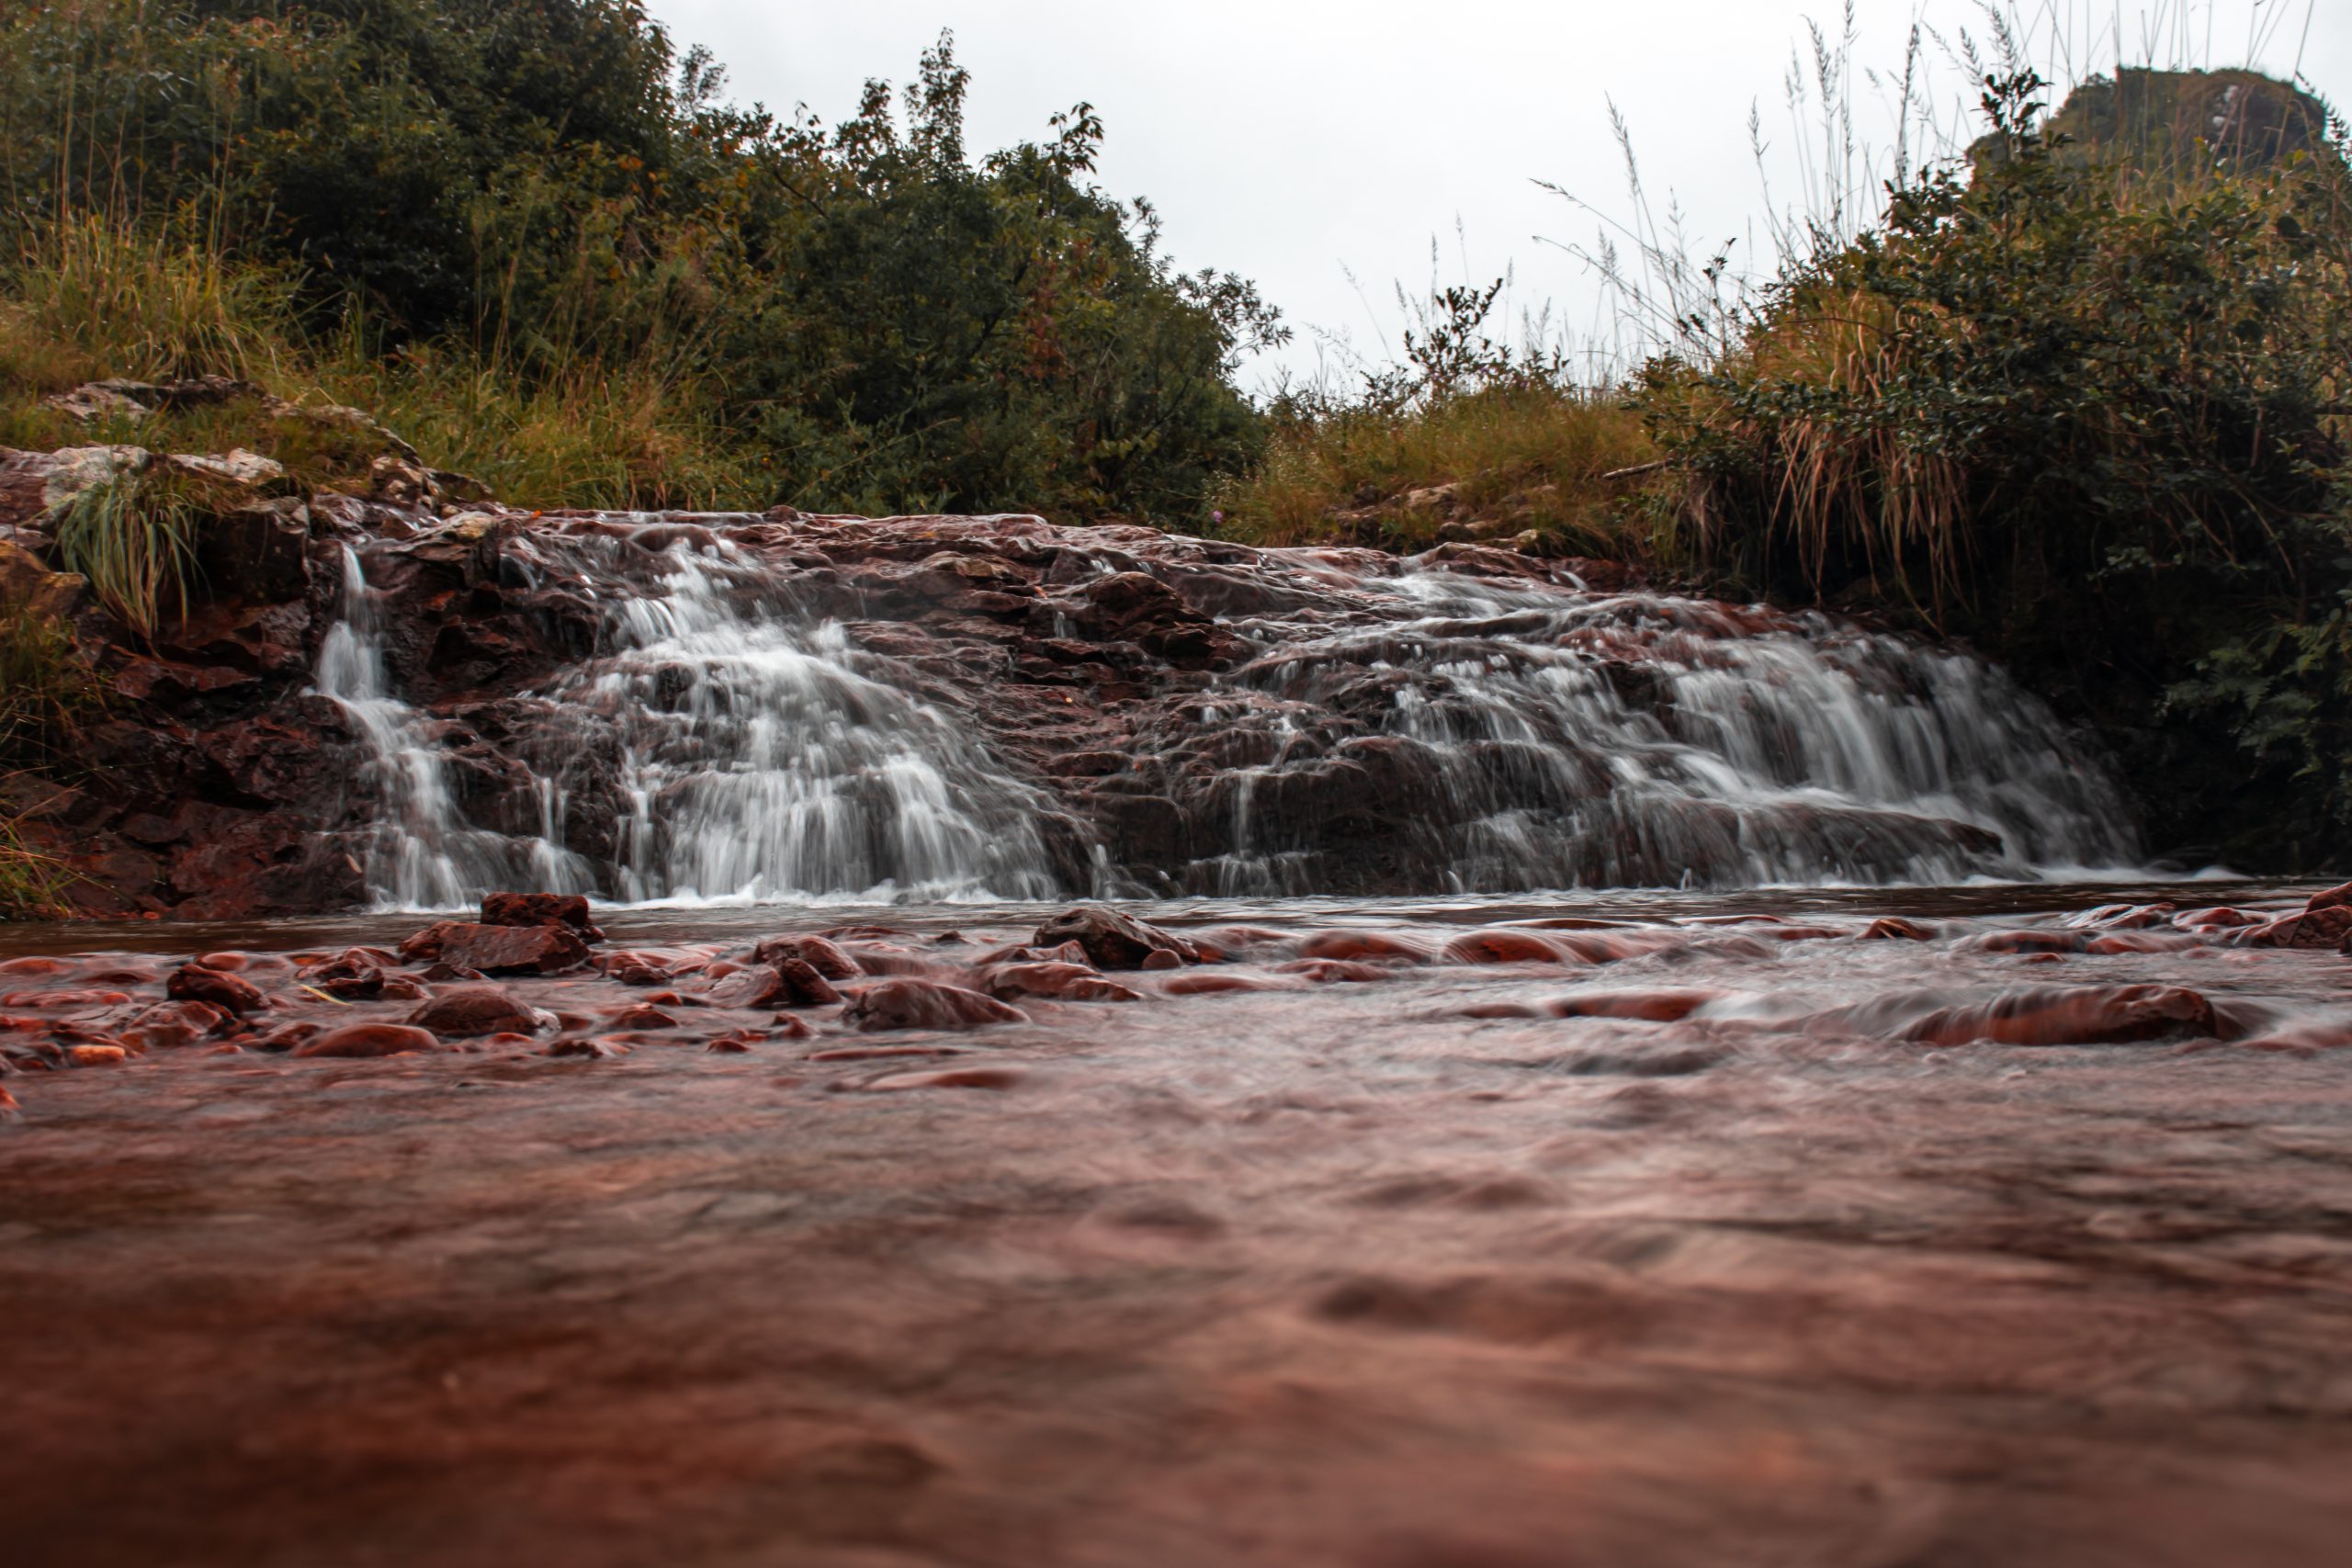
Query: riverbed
1691 1230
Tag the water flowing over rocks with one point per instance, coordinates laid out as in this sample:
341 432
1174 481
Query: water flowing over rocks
1840 1227
418 707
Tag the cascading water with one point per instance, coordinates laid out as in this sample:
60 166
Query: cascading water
421 853
1580 740
759 762
1370 726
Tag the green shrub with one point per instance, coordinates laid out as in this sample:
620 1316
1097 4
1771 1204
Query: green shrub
2094 424
134 538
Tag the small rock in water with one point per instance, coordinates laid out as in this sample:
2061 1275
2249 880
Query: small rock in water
96 1055
170 1025
826 959
1502 947
467 1013
2056 1015
924 1004
1894 928
513 950
1114 941
1064 982
191 983
371 1040
568 911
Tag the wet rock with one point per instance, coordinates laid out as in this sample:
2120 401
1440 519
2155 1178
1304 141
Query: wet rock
227 992
1894 928
512 950
466 1012
1060 982
637 1015
172 1025
820 954
371 1040
1113 940
924 1004
2053 1015
96 1055
568 911
1503 947
352 976
1363 947
791 983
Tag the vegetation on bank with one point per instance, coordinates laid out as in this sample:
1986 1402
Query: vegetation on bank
536 242
2078 398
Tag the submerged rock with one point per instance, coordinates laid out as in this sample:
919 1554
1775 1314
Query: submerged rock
924 1004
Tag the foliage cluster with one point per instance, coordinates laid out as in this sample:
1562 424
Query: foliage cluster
536 239
1510 428
2095 425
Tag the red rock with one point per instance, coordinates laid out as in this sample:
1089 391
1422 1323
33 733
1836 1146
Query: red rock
513 950
2219 918
9 1106
790 1027
793 982
1160 958
1335 971
1894 928
727 1045
1361 946
1651 1007
826 959
78 999
2334 899
1113 940
467 1013
96 1055
170 1025
636 1015
2026 942
426 945
924 1004
593 1050
568 911
1062 982
1207 983
31 966
2056 1015
948 1077
224 963
191 983
1503 947
352 976
371 1040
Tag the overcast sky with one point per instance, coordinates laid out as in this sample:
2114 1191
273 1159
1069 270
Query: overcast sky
1299 141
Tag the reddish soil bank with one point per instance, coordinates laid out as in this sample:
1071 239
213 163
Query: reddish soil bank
1364 1239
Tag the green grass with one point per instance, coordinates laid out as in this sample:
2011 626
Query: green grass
134 538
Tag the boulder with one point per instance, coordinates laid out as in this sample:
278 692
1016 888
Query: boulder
568 911
814 951
1112 940
371 1040
511 950
466 1012
924 1004
2060 1015
1062 982
190 983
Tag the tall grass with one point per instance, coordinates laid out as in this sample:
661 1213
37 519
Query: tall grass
134 538
1535 454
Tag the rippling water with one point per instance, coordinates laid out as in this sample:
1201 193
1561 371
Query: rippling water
1707 1232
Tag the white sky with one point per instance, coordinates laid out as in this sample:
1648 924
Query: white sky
1295 141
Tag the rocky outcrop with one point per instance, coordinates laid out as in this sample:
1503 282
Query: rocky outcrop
1155 702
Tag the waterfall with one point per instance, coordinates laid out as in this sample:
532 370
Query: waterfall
1374 727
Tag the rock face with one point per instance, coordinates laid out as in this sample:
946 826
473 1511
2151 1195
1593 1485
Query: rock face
418 696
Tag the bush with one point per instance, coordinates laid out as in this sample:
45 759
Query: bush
484 217
2094 424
